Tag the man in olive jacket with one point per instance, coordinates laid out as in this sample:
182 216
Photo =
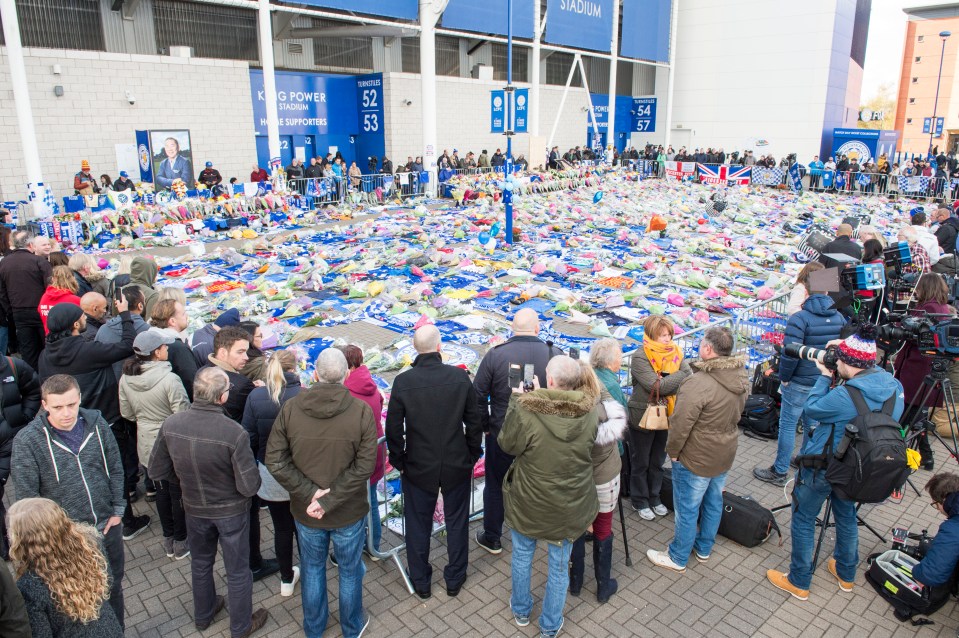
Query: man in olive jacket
323 451
703 435
548 491
428 443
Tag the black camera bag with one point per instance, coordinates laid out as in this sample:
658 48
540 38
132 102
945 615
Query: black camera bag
906 602
760 417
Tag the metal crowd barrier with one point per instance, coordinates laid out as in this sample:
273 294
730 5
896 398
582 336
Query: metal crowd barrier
371 189
754 323
393 552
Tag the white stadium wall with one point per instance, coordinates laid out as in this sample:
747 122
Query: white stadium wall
463 116
775 71
211 98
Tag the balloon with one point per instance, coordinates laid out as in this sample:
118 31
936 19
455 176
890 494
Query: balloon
483 237
494 230
598 197
508 186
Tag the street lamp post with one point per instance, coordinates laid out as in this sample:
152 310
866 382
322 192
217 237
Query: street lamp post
935 105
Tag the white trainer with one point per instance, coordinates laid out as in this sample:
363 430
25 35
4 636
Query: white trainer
286 589
662 559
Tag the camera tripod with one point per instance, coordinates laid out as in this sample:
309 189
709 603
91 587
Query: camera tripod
824 524
920 426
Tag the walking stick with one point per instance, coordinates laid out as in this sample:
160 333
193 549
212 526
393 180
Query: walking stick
624 491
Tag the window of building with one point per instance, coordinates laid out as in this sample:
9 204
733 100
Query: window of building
201 27
912 100
60 24
918 60
557 69
908 120
921 38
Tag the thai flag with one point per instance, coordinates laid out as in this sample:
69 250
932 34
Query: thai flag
739 175
712 173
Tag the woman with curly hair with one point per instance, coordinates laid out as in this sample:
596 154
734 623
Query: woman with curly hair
61 572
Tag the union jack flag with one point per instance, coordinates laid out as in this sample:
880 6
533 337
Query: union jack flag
739 174
712 173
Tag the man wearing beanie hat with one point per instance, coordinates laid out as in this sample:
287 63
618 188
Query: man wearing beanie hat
91 364
833 405
203 338
124 183
83 182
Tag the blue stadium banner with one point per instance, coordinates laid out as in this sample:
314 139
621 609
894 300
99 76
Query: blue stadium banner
405 9
643 115
497 105
795 177
145 156
584 24
646 30
520 110
489 16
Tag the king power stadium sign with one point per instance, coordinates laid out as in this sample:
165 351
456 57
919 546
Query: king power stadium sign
868 115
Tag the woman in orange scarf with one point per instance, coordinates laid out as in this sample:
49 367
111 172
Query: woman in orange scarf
659 360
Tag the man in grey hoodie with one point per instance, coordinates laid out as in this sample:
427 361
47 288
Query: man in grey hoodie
143 275
68 455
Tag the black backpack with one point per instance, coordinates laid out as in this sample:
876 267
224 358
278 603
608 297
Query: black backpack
760 418
874 465
890 574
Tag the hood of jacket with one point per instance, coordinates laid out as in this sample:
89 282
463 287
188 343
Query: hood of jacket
820 305
57 295
153 372
727 371
951 221
875 387
563 409
325 400
143 271
360 383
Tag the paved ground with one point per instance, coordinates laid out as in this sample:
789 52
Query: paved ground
727 597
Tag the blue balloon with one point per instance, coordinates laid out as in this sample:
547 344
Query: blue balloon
598 197
483 237
494 230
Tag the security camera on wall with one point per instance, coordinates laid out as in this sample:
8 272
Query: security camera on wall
131 98
408 102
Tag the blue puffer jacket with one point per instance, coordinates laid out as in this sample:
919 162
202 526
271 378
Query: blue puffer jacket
940 561
815 325
834 406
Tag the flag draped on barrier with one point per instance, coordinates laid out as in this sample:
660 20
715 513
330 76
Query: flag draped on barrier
767 176
712 173
913 184
739 175
795 177
680 170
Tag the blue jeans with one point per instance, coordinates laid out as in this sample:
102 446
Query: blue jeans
557 580
375 518
314 549
695 498
794 400
811 491
4 339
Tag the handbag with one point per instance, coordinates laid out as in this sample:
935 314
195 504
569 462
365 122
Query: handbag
654 418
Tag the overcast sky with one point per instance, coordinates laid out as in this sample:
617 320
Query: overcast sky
887 30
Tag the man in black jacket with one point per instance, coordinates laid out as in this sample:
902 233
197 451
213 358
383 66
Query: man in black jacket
493 392
91 364
23 280
19 404
94 306
210 455
841 245
429 407
946 235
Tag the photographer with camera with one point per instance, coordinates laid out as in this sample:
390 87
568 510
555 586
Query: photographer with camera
938 567
947 231
815 325
833 408
912 365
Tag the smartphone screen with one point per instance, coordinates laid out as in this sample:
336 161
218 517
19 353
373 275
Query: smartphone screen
528 374
574 353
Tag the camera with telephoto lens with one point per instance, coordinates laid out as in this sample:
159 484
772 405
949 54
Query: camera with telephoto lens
901 535
926 332
828 357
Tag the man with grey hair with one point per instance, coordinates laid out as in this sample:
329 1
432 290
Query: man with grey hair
209 453
322 449
23 280
493 393
552 497
434 435
703 435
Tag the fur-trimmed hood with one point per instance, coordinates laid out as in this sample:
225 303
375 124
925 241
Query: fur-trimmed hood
728 372
611 430
561 410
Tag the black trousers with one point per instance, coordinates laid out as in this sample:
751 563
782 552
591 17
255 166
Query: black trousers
256 558
647 454
233 535
116 561
30 335
170 510
418 508
125 434
284 530
497 464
